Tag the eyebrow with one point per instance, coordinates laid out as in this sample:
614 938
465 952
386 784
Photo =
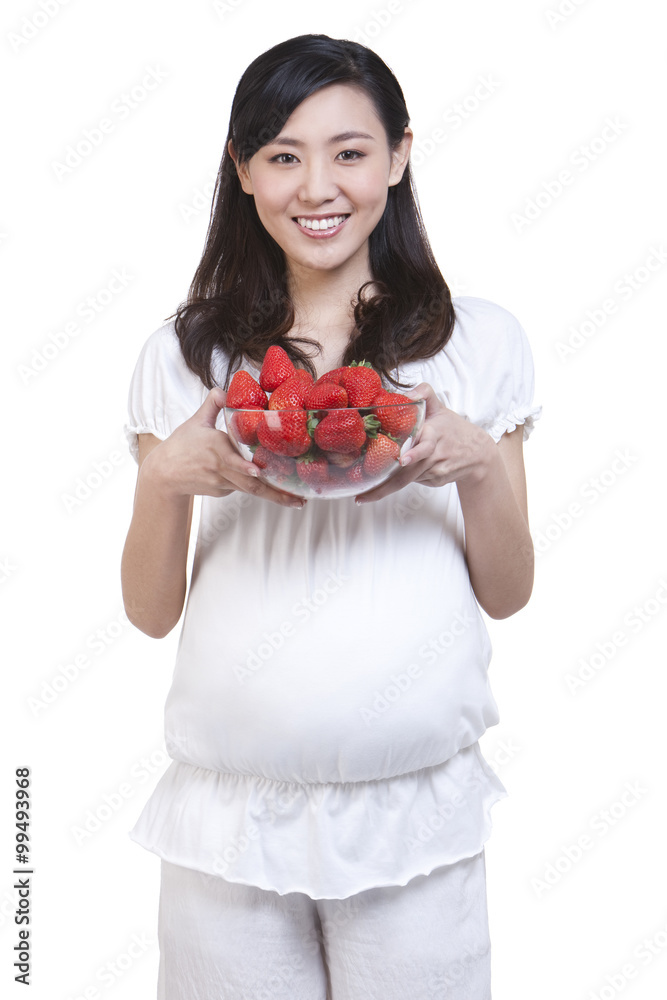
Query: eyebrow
285 140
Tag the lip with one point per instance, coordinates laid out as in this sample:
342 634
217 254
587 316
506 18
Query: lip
321 234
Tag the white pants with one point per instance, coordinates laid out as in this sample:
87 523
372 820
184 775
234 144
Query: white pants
221 940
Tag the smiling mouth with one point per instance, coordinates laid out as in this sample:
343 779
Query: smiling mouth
320 225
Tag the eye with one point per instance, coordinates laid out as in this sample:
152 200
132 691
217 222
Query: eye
348 155
278 157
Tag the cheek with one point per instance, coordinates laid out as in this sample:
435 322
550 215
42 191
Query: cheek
373 191
267 196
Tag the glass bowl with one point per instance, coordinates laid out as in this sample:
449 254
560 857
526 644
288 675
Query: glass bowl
326 453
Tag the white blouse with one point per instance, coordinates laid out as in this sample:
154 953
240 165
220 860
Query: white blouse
330 684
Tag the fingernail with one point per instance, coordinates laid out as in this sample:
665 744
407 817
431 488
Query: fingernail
405 460
253 472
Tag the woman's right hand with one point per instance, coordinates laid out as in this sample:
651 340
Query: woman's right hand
197 459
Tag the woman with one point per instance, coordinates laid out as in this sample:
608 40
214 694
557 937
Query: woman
322 824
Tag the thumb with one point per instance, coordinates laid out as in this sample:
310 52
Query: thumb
210 408
427 392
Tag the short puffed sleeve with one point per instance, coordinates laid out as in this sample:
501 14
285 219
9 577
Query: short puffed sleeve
163 391
485 371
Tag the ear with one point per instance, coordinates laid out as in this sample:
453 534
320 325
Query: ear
399 158
241 170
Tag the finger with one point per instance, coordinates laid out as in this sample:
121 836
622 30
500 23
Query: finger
420 452
262 490
426 391
208 412
246 477
396 482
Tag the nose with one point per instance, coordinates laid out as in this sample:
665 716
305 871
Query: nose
317 182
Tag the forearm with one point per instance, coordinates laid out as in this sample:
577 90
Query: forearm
499 547
153 565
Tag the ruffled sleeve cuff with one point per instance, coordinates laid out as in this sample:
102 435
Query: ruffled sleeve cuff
526 415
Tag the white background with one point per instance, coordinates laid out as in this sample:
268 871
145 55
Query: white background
564 756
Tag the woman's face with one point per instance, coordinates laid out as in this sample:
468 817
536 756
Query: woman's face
331 159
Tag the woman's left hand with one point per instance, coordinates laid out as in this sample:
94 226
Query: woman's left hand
450 449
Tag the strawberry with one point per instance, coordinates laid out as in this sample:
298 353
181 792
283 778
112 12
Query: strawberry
332 376
245 391
314 471
341 430
395 420
361 382
276 367
285 433
325 395
381 453
337 475
355 475
305 375
245 424
279 466
343 459
289 394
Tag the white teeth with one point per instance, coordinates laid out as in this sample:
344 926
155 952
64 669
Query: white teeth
316 224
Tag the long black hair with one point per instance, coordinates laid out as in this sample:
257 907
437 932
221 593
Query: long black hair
238 301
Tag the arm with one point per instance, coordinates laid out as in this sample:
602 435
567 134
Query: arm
491 482
499 548
153 565
197 459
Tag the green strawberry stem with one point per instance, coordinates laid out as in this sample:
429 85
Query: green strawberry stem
311 424
372 425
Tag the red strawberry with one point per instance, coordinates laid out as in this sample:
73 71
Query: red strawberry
276 367
355 475
245 424
315 471
305 375
279 466
381 453
285 433
341 430
337 475
395 420
325 395
342 459
245 391
289 394
361 382
332 376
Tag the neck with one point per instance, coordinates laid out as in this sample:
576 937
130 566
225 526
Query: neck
325 299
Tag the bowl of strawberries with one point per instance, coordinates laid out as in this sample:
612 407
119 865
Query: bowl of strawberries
339 436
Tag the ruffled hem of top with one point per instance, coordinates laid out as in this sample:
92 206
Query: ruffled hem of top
522 415
327 840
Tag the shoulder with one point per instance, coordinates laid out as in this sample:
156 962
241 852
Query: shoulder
487 344
163 390
485 370
163 344
483 324
162 351
161 363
